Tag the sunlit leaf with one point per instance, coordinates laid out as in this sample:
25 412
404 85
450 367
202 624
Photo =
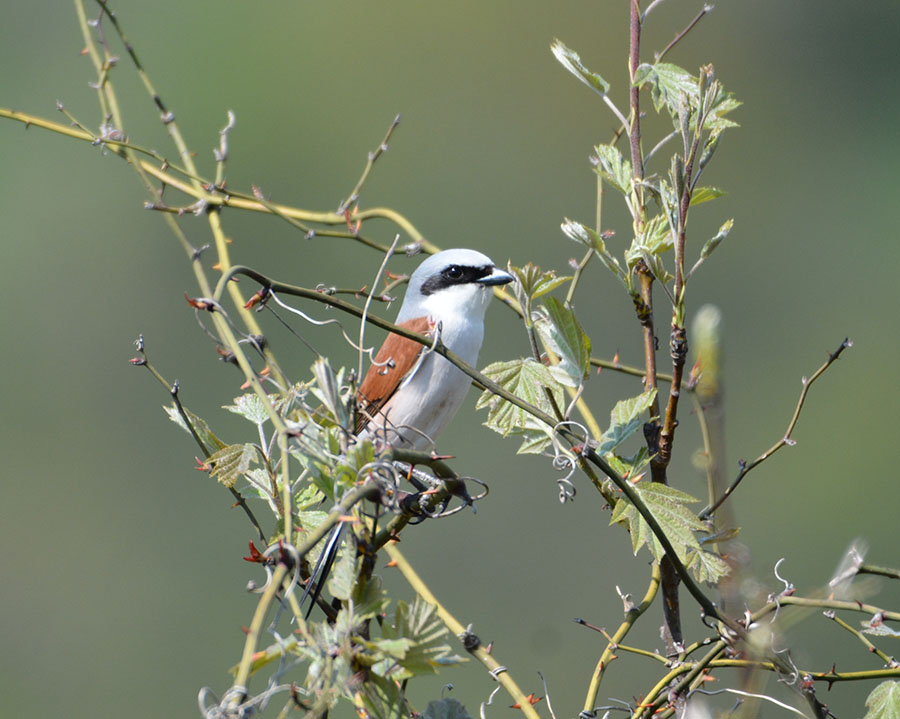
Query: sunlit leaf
884 701
250 407
668 85
713 242
572 62
705 194
591 239
561 333
528 380
613 167
625 419
230 462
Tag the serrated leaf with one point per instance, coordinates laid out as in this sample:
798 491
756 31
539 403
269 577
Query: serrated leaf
668 84
572 62
562 334
705 194
230 462
670 508
526 379
251 407
706 566
724 103
625 419
713 242
202 429
884 701
427 649
613 167
446 709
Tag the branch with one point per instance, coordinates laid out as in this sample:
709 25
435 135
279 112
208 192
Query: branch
469 640
786 439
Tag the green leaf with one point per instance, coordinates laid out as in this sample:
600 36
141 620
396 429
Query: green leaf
706 566
625 419
591 239
724 103
202 429
713 242
572 62
330 390
230 462
668 85
884 701
534 282
613 167
250 407
423 638
561 334
342 578
705 194
369 598
446 709
382 698
528 380
670 508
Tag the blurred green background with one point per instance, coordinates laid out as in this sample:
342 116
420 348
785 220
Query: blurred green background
122 583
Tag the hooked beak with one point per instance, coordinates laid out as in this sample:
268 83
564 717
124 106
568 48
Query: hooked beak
497 277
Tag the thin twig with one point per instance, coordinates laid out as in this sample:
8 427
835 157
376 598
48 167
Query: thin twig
370 163
680 36
745 468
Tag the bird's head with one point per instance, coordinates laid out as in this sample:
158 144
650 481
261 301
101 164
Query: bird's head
451 282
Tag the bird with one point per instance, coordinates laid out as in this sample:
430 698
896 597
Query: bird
410 394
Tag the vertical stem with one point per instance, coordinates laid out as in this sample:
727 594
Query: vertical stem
644 305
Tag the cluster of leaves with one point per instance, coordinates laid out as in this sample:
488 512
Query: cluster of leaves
341 655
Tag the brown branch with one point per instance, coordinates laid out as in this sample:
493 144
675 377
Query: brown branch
745 468
680 36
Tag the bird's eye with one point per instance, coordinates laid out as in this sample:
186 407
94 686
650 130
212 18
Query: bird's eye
453 272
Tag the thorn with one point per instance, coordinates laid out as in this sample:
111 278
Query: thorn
531 699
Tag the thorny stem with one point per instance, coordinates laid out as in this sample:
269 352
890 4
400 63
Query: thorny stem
497 671
631 616
239 498
786 439
889 661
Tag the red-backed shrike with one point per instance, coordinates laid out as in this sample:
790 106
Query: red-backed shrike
410 394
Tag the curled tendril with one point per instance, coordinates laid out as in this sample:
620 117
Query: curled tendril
280 545
563 461
386 475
